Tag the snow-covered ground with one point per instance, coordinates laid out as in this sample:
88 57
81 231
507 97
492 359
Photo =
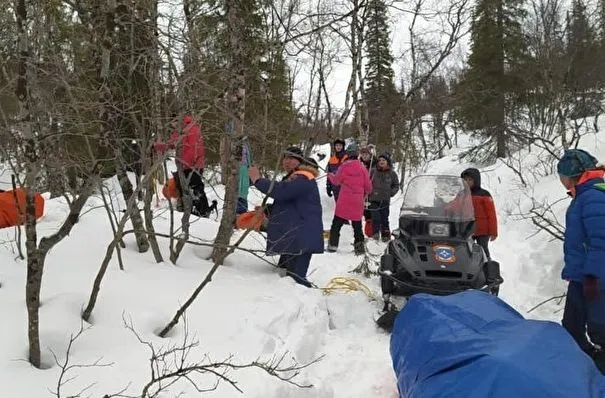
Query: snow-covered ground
247 310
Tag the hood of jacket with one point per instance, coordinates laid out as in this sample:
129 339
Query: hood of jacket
475 174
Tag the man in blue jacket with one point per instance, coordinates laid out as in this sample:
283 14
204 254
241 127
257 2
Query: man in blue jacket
295 227
584 252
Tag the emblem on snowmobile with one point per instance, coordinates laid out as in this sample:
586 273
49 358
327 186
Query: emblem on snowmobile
444 254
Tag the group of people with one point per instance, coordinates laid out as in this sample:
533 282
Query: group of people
362 184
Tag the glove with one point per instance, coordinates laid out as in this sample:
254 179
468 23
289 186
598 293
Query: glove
591 287
493 237
329 191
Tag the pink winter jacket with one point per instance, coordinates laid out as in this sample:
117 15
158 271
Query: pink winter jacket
355 184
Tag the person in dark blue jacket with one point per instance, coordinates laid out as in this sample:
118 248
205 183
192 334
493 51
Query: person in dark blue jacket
295 226
584 252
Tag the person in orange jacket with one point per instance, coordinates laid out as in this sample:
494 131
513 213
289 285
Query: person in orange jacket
337 159
486 221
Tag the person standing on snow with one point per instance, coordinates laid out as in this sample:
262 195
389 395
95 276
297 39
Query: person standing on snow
189 145
295 226
354 182
385 184
367 157
584 252
486 221
334 163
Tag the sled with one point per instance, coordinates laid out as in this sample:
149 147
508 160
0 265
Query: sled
13 207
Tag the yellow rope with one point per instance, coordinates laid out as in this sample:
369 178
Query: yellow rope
347 285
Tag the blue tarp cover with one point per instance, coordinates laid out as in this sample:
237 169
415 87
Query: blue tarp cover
474 345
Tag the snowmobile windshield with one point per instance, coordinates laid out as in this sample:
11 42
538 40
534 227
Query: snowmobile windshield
447 198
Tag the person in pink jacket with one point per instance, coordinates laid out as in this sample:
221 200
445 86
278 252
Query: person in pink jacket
354 181
189 145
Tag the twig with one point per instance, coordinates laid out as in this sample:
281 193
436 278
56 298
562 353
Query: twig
170 365
66 367
560 298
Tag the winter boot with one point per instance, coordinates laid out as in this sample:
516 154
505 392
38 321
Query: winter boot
360 248
386 236
179 205
598 356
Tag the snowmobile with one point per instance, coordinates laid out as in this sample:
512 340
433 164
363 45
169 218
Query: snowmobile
433 250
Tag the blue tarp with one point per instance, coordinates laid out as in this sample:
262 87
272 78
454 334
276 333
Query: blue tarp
474 345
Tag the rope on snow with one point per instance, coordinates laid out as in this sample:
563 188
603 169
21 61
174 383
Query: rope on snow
347 285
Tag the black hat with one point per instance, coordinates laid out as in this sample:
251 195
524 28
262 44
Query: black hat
294 152
339 141
386 156
312 162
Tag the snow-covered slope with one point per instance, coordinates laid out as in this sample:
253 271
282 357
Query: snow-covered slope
247 310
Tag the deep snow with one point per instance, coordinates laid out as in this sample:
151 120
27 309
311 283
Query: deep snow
247 310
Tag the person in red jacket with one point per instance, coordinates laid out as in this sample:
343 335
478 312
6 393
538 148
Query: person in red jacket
486 222
189 145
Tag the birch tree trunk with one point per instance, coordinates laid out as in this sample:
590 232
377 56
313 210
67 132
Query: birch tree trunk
236 106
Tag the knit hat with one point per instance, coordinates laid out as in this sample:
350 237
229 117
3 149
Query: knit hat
294 152
575 162
352 150
386 156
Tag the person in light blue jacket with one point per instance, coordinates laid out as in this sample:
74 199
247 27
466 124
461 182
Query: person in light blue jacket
584 252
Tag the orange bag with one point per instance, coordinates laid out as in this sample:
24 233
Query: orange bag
250 220
169 190
13 212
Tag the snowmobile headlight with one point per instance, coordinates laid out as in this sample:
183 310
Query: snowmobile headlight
439 229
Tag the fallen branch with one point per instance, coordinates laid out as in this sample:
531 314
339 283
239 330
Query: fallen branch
560 298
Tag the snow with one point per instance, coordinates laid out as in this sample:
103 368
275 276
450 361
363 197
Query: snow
247 311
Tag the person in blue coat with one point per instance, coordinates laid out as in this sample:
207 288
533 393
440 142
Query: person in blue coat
584 252
295 226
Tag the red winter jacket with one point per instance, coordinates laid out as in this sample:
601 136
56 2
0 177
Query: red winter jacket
486 222
190 145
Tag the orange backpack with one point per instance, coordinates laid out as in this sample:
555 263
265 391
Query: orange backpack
170 190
